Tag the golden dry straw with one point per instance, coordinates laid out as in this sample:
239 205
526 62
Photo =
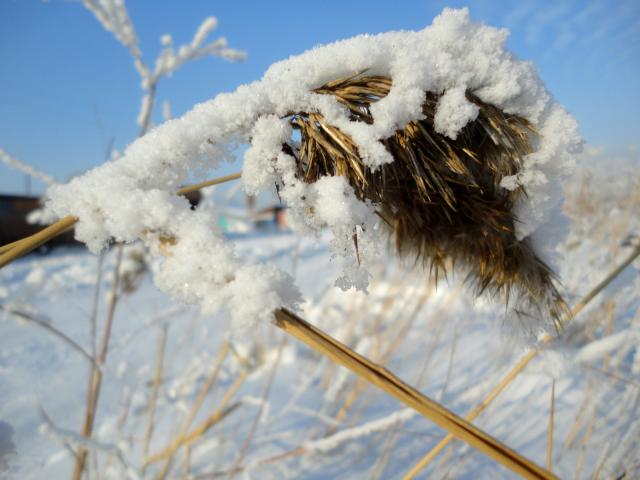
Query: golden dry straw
385 380
441 198
19 248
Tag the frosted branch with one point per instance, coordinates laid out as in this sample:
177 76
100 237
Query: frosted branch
24 167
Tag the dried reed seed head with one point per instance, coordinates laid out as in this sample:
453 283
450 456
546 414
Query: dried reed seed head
441 198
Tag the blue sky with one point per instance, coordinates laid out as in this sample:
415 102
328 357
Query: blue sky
67 87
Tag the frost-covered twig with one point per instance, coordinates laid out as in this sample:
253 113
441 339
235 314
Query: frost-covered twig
114 17
23 167
87 444
170 60
51 329
19 248
265 398
327 444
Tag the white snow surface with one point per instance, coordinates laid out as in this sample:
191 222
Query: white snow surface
132 197
438 340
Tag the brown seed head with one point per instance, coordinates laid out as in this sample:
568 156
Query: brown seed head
440 198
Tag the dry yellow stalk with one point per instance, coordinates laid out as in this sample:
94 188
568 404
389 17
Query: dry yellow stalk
206 387
95 379
13 251
157 381
208 183
382 378
550 432
26 245
218 414
9 246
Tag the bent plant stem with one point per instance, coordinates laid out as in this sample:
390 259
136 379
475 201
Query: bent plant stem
13 251
382 378
96 374
54 331
520 366
26 245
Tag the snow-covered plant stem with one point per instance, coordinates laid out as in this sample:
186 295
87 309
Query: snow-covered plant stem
13 251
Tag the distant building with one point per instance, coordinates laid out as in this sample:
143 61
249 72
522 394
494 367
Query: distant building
271 217
14 226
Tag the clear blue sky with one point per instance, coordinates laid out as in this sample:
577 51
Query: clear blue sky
67 87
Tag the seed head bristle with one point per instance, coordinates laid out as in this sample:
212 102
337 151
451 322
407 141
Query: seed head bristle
440 198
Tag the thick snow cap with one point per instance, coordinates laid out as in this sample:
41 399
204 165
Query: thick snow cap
132 198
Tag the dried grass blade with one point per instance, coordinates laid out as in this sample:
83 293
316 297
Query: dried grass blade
382 378
13 251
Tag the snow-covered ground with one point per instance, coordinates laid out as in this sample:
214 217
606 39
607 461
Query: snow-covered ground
287 412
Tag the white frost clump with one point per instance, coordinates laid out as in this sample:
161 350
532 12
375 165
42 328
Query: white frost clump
132 198
454 112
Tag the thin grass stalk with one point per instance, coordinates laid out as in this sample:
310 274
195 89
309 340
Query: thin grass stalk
93 334
202 394
13 251
94 308
186 468
157 381
520 366
265 396
550 431
391 441
452 354
585 443
603 457
579 420
96 373
614 376
218 414
54 331
382 378
384 357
